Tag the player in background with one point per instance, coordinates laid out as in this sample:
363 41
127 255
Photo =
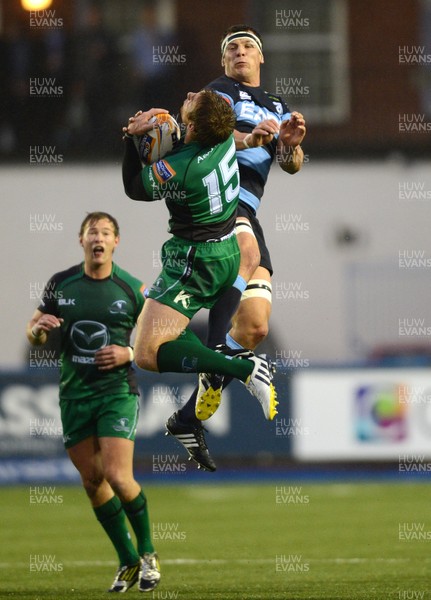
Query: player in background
199 180
95 304
265 129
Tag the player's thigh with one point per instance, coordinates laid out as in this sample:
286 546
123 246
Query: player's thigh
158 323
117 424
117 456
86 457
249 247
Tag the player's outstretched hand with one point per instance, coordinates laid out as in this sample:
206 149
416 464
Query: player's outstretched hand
263 133
139 123
292 132
112 356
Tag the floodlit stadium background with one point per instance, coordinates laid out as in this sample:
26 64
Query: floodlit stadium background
349 234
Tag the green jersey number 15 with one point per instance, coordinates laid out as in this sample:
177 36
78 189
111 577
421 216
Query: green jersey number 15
228 173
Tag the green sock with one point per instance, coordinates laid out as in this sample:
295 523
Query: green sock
188 356
137 513
113 520
187 335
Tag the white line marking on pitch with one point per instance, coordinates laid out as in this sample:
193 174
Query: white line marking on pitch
222 561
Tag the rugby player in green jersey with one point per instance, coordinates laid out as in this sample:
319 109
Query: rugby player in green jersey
95 304
199 181
265 131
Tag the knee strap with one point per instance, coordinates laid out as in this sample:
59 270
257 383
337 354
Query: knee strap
244 227
258 288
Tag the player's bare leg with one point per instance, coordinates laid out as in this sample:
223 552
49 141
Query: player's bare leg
106 468
117 460
250 322
87 458
250 254
176 349
152 331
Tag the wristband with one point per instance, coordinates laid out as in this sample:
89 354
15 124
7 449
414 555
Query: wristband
244 140
131 353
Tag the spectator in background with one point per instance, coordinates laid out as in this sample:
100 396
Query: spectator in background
149 56
33 65
15 60
94 93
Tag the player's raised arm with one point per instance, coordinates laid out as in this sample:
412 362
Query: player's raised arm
132 171
148 137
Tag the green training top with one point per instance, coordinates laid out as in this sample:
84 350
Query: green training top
96 313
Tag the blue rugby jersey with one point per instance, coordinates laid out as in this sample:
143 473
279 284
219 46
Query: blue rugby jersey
251 106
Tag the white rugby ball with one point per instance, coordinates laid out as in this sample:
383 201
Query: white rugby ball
155 144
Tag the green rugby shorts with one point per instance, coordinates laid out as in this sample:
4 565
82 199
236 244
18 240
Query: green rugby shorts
110 416
195 274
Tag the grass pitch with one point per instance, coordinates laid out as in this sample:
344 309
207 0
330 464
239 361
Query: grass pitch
248 541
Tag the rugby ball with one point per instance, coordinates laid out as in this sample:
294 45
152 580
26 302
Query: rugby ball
155 144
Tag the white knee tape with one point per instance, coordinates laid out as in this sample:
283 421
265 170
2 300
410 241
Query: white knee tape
258 288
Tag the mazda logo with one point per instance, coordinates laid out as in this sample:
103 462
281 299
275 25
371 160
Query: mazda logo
89 336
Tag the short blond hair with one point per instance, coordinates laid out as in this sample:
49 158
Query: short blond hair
93 217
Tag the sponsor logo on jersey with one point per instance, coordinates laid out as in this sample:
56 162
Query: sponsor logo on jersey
184 298
118 307
66 302
204 156
163 171
122 425
244 95
83 360
278 107
89 336
251 112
